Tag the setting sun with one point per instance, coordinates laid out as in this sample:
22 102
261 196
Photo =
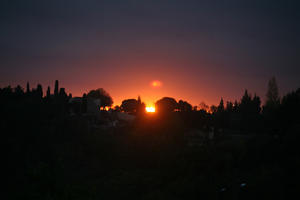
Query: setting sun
150 109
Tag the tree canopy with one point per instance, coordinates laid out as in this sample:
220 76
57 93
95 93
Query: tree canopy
133 106
129 105
184 106
100 93
166 104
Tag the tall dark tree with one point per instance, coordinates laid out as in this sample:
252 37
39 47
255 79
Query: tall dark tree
62 93
48 93
235 106
219 116
139 100
245 105
56 88
290 109
140 106
249 112
84 104
221 106
27 88
256 102
229 106
39 91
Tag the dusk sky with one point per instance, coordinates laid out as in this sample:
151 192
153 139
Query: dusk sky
197 50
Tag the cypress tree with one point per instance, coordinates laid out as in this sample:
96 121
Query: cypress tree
39 91
221 106
48 92
62 93
27 88
56 88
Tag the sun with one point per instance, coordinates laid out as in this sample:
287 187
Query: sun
150 109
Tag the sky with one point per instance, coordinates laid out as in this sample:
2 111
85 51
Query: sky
199 51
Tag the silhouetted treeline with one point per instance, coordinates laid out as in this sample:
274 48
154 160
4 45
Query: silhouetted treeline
245 114
54 150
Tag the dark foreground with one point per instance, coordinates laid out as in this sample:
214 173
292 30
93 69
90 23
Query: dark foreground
149 159
56 149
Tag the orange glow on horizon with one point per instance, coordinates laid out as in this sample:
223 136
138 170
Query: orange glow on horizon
150 91
150 109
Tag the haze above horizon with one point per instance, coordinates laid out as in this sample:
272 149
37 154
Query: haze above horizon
196 50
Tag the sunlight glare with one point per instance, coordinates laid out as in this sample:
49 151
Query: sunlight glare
156 84
150 109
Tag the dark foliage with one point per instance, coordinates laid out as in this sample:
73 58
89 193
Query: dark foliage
100 93
184 106
54 155
166 105
133 106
